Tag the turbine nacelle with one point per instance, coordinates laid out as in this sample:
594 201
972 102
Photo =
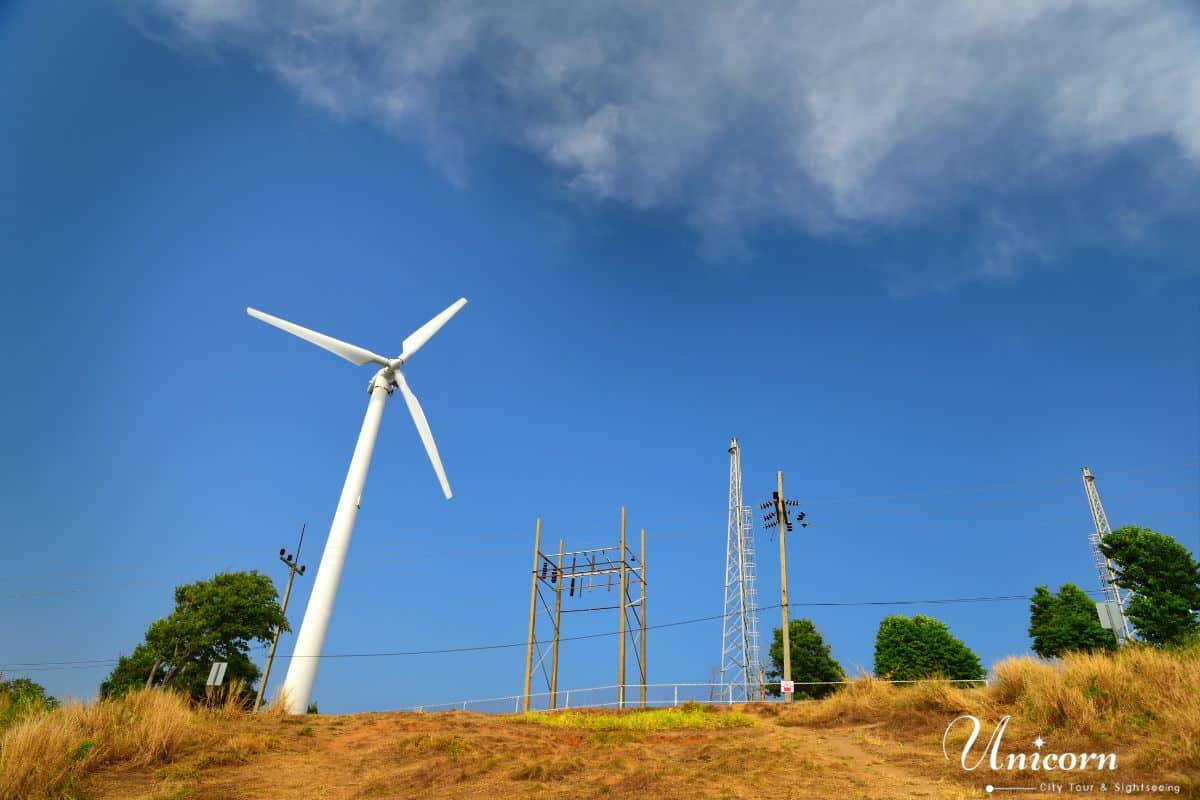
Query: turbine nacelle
386 378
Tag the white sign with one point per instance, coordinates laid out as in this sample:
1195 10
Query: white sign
216 675
787 687
1110 615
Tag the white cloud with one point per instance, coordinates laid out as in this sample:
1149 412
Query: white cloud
739 112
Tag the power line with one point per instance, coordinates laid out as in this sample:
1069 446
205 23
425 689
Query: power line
80 662
64 668
84 663
78 590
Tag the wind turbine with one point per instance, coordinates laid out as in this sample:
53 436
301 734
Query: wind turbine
303 668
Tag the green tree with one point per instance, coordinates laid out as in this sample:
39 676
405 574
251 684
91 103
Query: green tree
1164 579
1066 622
213 620
811 660
922 647
21 697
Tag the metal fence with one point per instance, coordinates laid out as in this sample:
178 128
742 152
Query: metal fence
658 695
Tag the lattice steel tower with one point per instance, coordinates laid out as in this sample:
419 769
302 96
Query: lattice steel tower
1104 568
739 639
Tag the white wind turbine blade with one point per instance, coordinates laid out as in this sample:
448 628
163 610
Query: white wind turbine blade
418 416
350 352
417 339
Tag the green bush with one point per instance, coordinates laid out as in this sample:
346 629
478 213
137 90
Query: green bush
813 668
1066 622
922 647
21 697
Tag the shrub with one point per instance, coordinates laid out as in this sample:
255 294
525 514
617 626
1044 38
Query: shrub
813 668
922 647
20 698
44 755
1066 622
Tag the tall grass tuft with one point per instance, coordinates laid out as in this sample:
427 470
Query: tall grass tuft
1147 699
279 708
40 756
43 756
231 700
1141 701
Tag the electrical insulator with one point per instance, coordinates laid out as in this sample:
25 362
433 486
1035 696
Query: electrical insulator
572 592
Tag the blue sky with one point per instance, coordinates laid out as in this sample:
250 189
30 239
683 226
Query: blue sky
929 294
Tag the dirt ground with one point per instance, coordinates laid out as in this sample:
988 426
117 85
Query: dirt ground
466 755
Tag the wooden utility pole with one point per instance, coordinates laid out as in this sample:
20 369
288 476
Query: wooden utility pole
642 645
537 552
558 582
783 592
623 605
291 563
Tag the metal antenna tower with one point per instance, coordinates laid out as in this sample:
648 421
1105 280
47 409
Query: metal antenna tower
1104 567
739 636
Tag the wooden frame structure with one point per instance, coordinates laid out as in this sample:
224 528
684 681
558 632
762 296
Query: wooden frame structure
580 573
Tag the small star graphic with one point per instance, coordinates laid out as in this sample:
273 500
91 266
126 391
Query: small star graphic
1038 743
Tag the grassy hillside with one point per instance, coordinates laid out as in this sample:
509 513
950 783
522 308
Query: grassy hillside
870 739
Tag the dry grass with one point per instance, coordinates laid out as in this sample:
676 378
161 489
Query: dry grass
230 700
1144 699
866 699
452 746
549 769
237 749
278 708
868 739
1142 702
43 756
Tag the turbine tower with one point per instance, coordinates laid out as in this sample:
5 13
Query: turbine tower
739 637
1104 567
302 671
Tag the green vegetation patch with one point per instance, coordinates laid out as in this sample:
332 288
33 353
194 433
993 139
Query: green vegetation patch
660 719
